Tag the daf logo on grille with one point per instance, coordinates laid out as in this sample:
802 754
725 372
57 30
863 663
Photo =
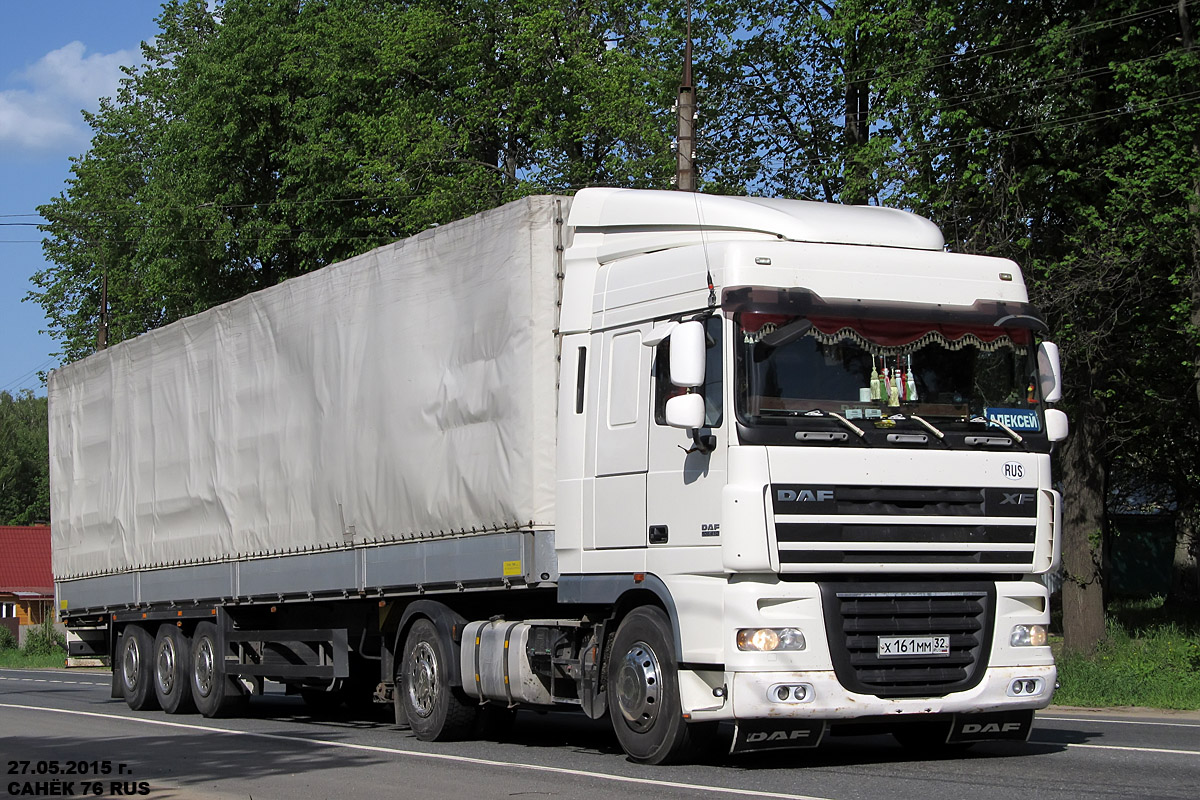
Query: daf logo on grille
804 495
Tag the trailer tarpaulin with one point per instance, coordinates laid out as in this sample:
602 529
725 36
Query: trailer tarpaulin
407 392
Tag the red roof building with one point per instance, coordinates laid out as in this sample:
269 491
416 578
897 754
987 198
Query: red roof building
26 579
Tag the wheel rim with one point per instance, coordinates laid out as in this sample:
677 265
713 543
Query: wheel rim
422 679
204 666
637 685
131 664
165 666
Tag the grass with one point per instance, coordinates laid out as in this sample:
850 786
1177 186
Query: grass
1151 658
16 659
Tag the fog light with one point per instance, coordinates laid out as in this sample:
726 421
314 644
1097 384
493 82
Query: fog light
765 640
1022 687
790 693
1028 636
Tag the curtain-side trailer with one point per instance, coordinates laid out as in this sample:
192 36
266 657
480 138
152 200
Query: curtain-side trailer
676 459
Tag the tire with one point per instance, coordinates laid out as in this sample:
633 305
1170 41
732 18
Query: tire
434 711
136 666
643 692
215 693
172 670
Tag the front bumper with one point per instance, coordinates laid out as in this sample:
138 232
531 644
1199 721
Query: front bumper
751 695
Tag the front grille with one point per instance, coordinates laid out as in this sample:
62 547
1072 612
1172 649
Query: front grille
824 526
903 501
857 615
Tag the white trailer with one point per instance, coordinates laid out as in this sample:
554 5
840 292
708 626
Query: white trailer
675 458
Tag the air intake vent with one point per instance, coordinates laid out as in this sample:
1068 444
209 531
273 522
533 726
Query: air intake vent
857 616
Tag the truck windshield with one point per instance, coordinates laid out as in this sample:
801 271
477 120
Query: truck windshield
792 366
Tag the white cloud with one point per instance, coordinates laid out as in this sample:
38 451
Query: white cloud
46 116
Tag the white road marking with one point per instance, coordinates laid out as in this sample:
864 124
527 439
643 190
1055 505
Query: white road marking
1133 749
48 680
693 787
1120 721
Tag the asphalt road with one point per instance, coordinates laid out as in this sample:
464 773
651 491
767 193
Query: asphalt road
56 719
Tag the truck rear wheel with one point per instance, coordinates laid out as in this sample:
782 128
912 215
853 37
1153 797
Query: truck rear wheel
215 693
643 692
172 677
136 667
431 707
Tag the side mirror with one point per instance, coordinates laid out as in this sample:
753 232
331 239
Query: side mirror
1049 372
1057 426
688 356
685 410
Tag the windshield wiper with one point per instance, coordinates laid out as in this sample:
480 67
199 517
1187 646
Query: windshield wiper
848 424
993 440
929 427
1016 436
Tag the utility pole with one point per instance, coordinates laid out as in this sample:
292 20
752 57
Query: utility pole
685 107
102 329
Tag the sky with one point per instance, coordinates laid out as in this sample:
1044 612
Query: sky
57 57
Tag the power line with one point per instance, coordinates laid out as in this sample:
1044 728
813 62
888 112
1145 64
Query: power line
16 382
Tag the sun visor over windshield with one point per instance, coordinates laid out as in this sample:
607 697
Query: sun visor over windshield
783 303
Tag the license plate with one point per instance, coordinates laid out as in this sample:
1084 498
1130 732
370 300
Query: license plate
902 646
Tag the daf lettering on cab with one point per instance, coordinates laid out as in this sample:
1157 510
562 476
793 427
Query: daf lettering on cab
674 459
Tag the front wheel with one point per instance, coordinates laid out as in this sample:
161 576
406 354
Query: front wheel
430 705
643 692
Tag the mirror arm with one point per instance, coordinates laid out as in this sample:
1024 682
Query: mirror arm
703 443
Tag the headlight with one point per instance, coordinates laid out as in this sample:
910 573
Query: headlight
768 639
1028 636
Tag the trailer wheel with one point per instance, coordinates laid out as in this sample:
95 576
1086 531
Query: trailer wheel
643 692
215 693
423 692
137 669
172 674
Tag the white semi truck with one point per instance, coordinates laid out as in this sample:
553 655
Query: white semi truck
675 458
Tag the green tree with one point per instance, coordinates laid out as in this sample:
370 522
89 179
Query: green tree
263 139
1060 134
24 460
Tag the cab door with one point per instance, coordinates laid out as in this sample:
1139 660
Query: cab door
621 429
